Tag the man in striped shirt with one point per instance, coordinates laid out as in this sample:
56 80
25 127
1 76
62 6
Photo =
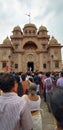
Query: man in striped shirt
14 111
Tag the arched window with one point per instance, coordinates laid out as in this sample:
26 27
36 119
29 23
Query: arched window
30 45
16 66
3 64
16 46
25 31
44 65
43 46
29 31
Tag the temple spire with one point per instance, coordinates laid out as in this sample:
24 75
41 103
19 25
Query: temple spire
29 15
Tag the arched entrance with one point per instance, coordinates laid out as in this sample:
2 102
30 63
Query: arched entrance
30 66
30 45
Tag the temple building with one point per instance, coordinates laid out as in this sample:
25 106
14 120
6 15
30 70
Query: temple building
30 49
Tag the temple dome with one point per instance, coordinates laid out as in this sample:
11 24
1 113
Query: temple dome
7 41
42 28
17 28
29 25
53 41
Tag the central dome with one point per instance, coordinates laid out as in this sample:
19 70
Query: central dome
29 25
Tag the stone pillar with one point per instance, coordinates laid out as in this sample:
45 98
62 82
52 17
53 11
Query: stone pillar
52 63
40 62
20 62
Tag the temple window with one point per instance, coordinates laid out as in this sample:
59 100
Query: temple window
3 64
16 46
16 33
16 66
33 31
25 31
44 66
43 46
56 64
29 31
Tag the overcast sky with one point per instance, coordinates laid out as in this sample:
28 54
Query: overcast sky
43 12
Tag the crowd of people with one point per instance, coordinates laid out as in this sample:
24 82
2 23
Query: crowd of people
20 99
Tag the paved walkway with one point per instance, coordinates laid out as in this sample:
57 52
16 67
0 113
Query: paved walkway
48 122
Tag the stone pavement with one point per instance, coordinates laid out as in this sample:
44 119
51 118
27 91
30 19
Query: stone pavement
48 121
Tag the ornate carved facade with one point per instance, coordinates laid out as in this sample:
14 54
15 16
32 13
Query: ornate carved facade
30 49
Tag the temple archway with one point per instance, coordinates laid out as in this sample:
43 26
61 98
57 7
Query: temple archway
30 66
30 45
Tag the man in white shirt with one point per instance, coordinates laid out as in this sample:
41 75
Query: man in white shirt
14 111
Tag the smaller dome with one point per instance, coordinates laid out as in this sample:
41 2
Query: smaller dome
17 28
30 25
42 28
7 41
53 41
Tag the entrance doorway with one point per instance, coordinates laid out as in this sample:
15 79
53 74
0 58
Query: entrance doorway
30 66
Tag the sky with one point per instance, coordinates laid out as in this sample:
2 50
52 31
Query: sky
48 13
